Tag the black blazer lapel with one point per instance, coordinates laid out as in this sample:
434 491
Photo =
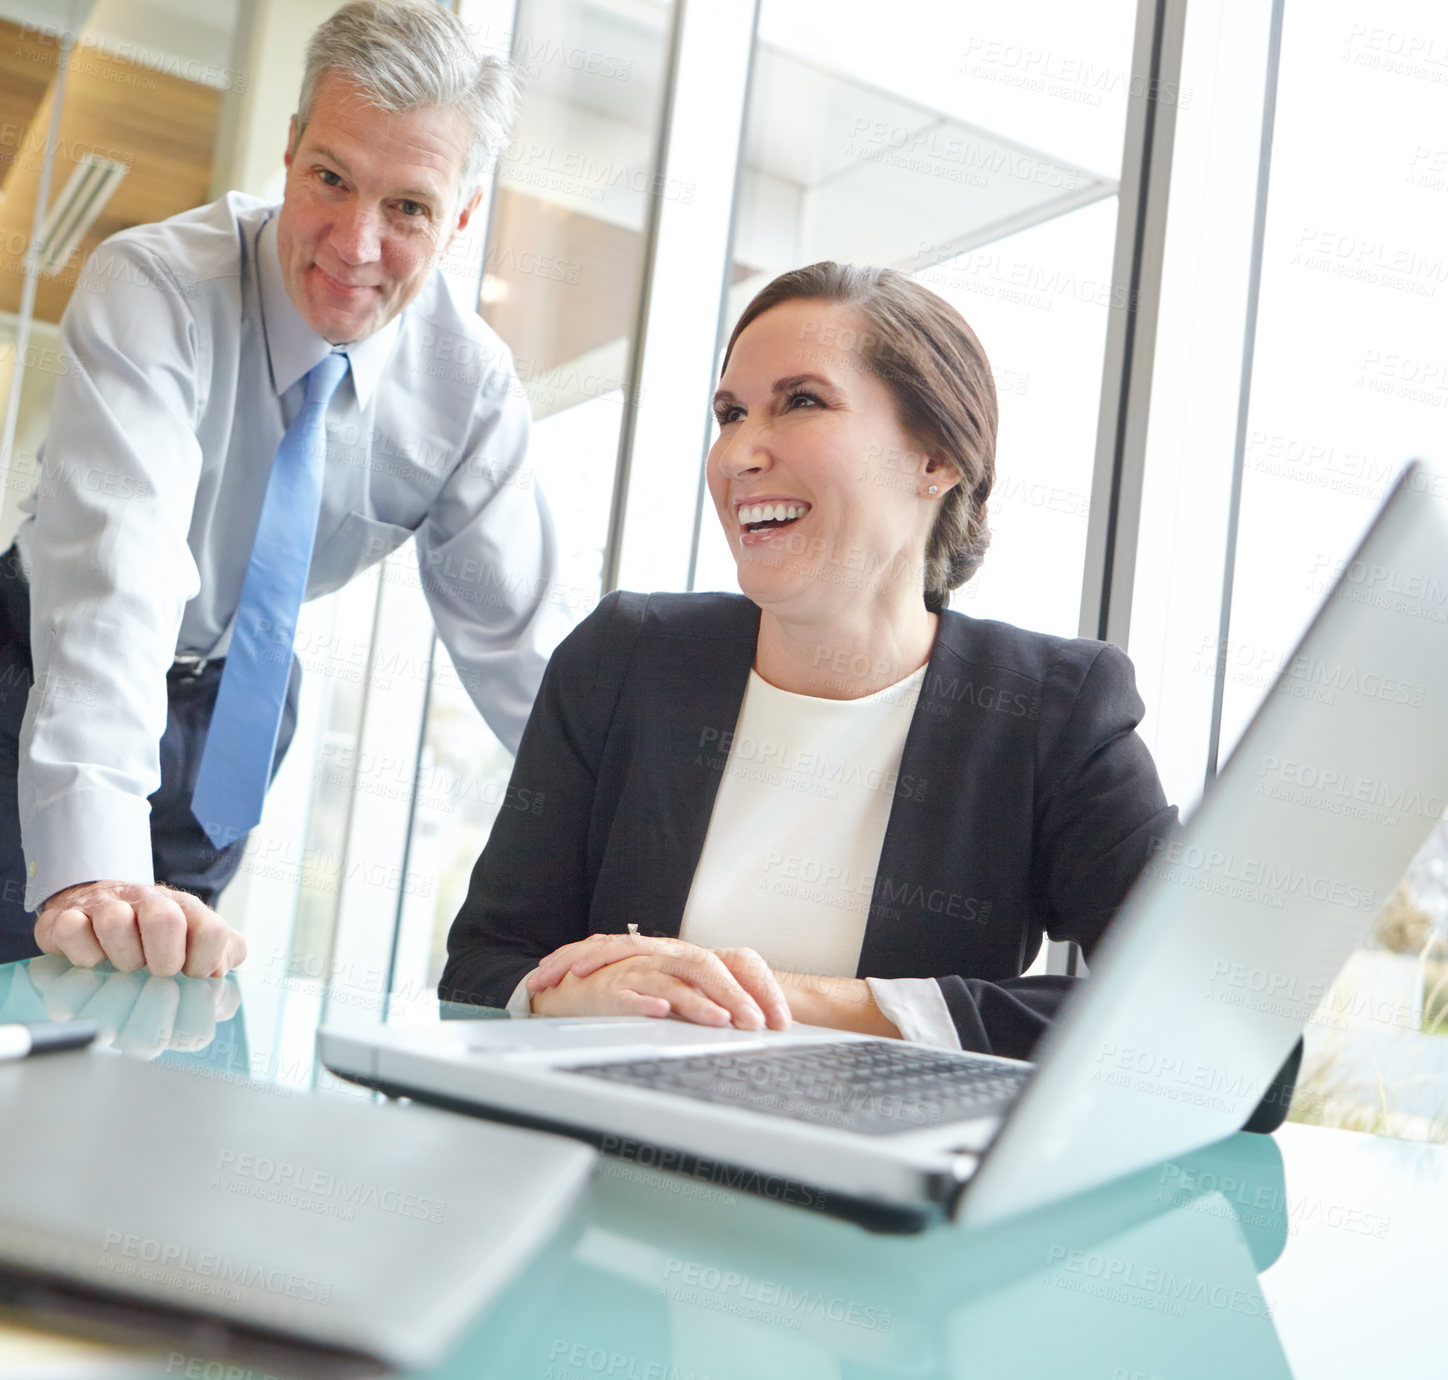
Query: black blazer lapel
948 896
679 708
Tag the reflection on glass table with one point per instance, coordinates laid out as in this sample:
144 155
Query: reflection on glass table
139 1015
1301 1254
1154 1276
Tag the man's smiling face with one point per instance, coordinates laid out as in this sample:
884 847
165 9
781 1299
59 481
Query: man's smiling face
373 199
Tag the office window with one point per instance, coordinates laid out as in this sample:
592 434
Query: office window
1346 383
560 281
983 162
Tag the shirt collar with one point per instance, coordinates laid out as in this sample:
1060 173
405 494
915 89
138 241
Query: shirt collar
294 348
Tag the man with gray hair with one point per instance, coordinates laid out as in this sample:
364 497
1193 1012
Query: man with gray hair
259 402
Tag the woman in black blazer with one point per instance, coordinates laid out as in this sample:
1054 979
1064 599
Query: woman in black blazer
854 460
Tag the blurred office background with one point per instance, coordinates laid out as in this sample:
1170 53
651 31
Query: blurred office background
1216 321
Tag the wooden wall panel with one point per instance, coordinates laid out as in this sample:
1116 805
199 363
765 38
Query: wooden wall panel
27 69
570 281
162 126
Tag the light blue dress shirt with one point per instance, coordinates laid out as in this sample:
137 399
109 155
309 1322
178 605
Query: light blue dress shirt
184 362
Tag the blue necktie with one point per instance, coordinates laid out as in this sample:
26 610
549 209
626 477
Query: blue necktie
237 761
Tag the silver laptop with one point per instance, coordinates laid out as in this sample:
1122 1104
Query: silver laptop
169 1207
1198 993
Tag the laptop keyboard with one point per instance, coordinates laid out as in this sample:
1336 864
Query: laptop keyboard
875 1087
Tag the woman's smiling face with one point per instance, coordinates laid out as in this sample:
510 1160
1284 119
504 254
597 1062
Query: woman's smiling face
816 482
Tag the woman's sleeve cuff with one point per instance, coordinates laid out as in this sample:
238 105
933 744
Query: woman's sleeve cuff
521 1002
917 1009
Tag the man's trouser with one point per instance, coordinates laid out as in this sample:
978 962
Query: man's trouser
181 854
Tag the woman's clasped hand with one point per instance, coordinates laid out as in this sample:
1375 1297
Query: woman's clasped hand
645 975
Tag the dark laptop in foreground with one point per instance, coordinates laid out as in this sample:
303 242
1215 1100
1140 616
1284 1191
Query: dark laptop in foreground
1197 996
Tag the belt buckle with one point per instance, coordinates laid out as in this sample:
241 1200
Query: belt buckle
189 667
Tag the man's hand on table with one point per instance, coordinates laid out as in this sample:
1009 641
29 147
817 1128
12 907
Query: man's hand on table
136 926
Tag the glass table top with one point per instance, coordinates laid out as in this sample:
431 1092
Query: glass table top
1308 1253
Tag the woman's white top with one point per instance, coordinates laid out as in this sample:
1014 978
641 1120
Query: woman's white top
794 841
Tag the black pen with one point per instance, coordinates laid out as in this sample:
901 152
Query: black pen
44 1037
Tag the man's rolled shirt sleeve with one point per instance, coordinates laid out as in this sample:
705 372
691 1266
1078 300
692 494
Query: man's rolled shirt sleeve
488 556
110 571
